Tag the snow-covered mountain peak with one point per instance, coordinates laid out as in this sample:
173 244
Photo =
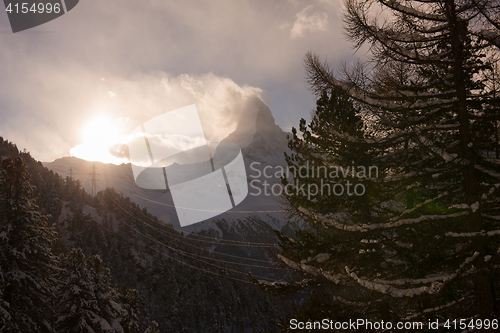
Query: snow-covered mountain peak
257 134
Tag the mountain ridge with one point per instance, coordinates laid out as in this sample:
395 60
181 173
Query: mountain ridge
263 142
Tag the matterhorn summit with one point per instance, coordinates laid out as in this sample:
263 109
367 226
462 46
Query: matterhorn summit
258 135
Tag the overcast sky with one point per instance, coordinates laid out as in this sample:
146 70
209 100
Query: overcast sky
132 60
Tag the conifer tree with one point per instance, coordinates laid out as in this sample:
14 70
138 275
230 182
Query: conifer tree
26 262
86 303
321 185
77 307
152 328
427 245
128 301
4 307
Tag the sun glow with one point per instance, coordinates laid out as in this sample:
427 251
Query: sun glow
100 130
98 136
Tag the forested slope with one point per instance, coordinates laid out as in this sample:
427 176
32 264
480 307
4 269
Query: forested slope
180 284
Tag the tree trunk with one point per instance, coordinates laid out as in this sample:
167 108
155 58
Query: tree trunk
484 285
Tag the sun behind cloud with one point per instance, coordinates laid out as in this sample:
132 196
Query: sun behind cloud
98 136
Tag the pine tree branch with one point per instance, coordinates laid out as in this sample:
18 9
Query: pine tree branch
385 287
397 6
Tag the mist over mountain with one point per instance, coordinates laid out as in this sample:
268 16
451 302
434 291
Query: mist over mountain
259 136
262 142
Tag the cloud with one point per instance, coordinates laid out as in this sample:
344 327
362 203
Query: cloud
175 142
120 150
219 100
138 59
220 103
308 21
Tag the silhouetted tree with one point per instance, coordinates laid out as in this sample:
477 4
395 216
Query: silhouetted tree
426 246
